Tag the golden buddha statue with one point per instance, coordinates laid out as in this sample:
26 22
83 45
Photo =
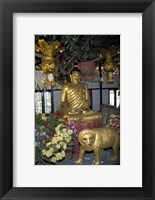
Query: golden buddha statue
76 100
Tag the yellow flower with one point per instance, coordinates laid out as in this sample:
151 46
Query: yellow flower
58 132
43 151
51 149
59 138
64 146
53 159
61 143
43 117
48 144
49 152
59 156
63 153
58 146
61 135
66 135
70 132
60 125
56 129
64 130
54 140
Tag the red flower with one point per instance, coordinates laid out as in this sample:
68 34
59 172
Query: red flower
58 113
46 122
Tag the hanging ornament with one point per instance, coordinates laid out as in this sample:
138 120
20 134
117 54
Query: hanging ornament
102 79
109 67
49 64
97 71
44 83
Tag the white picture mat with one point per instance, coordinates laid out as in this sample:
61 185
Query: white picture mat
129 172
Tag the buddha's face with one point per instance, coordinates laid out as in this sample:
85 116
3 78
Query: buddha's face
75 77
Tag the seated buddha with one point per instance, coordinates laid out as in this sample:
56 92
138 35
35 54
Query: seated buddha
76 100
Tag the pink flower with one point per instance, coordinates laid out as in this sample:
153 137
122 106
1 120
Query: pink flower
71 121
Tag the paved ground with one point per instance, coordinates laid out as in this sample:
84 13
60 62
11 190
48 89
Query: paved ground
89 159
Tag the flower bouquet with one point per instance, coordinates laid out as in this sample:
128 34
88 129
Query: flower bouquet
62 140
54 137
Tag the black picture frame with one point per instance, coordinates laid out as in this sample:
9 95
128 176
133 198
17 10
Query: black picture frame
7 8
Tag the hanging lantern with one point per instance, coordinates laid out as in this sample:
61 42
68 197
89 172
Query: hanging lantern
50 79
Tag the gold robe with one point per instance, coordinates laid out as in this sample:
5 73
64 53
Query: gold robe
76 97
76 100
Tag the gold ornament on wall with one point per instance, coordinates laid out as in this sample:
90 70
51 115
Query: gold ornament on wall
44 83
49 64
109 66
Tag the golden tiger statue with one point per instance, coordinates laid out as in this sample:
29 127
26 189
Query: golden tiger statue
96 140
